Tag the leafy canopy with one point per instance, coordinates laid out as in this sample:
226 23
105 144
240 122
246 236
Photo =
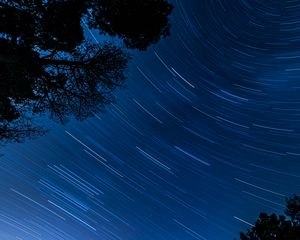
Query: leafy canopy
49 67
273 227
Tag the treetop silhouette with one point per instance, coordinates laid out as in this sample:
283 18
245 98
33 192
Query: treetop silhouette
273 227
138 23
48 66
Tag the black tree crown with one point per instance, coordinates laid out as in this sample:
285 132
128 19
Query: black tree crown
49 67
274 227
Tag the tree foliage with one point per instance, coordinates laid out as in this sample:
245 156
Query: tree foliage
273 227
138 23
48 66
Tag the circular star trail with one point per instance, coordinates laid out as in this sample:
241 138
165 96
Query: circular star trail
206 136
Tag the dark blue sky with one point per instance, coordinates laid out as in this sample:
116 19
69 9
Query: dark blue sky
206 136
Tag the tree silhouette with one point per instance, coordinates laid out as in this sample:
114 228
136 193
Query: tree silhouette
67 15
273 227
138 23
48 66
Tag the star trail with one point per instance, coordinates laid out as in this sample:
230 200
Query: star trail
205 136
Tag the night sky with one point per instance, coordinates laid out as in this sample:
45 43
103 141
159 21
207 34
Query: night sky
205 136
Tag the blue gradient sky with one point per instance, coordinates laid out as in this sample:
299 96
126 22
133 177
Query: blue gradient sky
206 136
